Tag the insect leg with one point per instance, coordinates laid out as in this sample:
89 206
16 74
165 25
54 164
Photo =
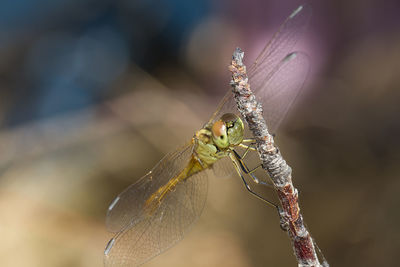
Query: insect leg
247 170
238 169
250 140
248 148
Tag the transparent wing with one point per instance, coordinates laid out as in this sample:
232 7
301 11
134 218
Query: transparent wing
281 44
273 67
152 235
144 236
278 91
127 207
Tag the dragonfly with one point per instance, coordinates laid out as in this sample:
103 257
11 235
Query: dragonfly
154 213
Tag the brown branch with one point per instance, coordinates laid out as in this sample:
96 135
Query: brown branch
272 161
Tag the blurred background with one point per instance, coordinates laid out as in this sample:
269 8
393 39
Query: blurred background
94 93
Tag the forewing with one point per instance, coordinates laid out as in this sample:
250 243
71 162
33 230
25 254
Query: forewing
127 207
279 89
152 235
282 43
267 64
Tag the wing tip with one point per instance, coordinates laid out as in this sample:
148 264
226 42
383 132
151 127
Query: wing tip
113 203
296 11
109 246
290 56
305 8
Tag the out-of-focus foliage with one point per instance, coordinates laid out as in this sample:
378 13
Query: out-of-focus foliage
94 93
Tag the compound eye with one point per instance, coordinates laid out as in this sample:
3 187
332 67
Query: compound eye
219 129
229 118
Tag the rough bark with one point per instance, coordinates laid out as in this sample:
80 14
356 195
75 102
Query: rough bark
273 162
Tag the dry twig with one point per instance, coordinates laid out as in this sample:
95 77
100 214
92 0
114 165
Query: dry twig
277 168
